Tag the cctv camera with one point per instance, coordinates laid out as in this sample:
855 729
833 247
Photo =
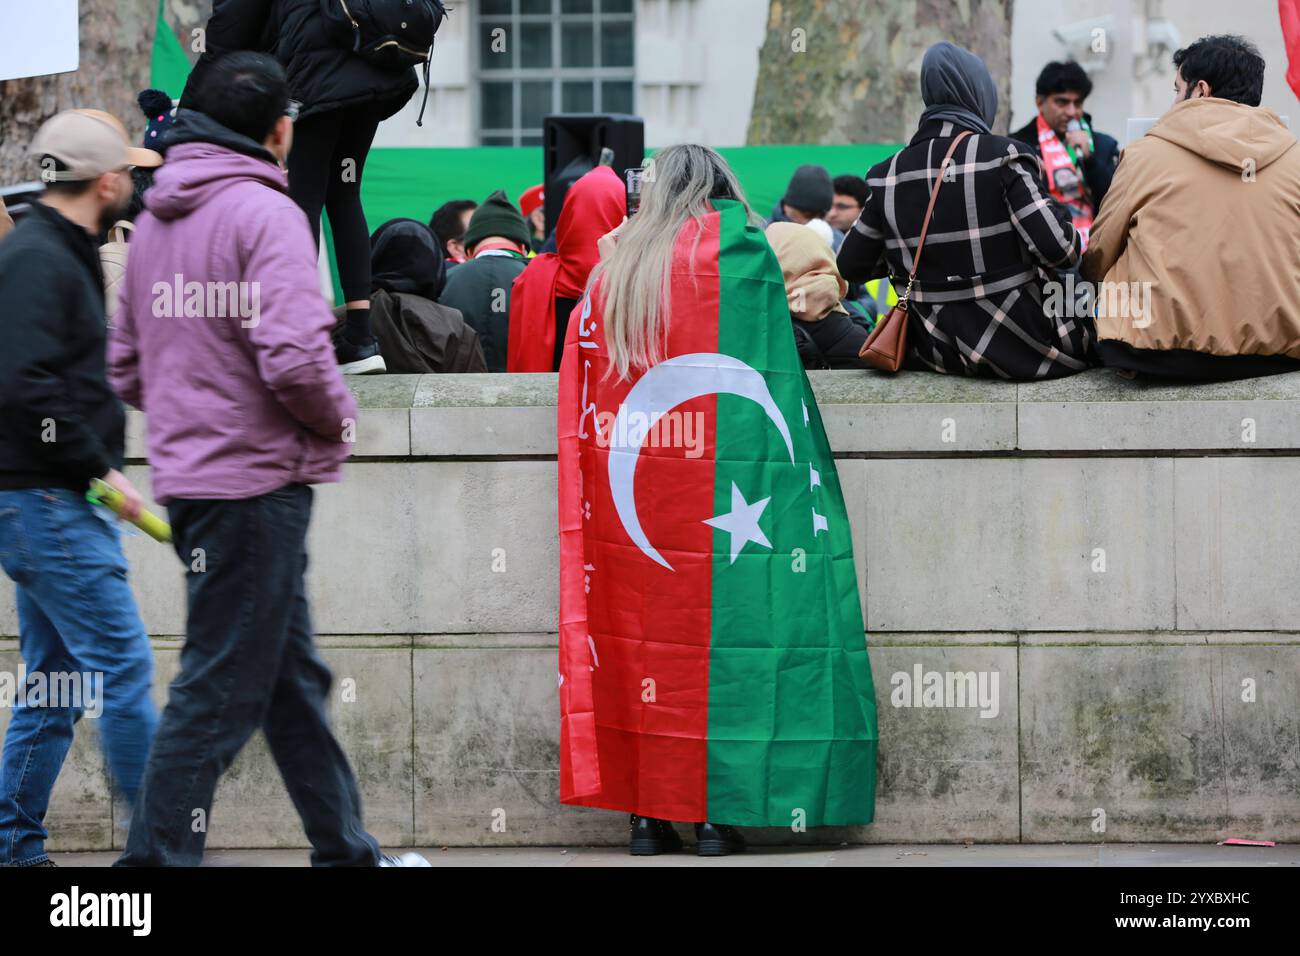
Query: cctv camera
1088 42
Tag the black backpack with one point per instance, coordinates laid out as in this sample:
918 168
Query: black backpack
393 34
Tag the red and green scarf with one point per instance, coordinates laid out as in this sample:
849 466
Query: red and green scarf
713 663
1064 179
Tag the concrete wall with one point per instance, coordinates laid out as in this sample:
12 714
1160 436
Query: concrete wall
1122 557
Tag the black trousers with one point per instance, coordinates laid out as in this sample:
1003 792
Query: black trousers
325 167
1185 365
249 662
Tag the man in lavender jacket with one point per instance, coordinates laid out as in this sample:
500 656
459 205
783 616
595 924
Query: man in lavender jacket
223 341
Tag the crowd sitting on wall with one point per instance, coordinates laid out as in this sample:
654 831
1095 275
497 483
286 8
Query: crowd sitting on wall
1050 258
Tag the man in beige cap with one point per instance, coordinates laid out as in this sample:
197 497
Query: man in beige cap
61 426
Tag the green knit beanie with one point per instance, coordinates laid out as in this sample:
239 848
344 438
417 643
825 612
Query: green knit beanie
496 217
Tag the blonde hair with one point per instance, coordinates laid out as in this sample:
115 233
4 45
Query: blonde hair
636 279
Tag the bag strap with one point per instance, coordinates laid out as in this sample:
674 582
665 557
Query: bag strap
929 212
119 230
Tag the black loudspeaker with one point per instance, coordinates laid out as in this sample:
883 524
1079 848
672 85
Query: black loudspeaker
571 146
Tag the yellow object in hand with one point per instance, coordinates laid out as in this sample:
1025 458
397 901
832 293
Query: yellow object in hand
102 492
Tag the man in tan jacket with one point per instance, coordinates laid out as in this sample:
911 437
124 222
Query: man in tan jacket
6 221
1198 241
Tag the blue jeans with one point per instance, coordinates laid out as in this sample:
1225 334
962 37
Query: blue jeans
76 615
249 663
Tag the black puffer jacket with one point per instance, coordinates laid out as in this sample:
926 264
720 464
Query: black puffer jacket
831 342
323 74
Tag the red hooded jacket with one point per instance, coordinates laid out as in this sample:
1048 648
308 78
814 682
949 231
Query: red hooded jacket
594 205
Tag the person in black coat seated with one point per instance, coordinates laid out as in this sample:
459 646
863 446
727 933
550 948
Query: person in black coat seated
415 332
1079 161
977 307
342 98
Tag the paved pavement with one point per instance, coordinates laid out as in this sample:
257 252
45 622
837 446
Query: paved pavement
1092 855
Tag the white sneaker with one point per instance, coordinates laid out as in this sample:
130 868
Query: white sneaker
406 859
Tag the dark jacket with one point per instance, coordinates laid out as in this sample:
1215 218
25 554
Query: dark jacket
477 288
1098 169
234 25
60 423
324 74
416 334
977 308
192 126
831 342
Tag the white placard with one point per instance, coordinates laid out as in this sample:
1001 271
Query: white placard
37 38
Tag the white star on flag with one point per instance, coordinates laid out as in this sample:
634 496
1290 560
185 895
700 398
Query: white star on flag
741 522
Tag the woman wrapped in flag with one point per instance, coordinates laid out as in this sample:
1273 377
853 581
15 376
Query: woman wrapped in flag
713 662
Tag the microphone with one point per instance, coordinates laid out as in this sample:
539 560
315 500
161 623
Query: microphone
1074 126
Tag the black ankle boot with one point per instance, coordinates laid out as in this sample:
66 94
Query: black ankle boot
650 837
717 839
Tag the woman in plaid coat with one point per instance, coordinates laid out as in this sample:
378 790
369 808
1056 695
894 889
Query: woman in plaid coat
996 238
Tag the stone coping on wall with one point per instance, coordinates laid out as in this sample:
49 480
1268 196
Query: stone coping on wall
866 414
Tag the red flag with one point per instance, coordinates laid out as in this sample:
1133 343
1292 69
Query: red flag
1289 11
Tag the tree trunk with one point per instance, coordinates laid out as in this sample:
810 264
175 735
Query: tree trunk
848 71
116 47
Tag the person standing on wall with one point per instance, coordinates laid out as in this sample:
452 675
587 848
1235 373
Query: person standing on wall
350 70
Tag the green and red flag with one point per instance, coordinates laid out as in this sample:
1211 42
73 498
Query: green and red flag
1289 11
713 660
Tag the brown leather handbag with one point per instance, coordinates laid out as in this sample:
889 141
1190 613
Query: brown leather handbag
887 344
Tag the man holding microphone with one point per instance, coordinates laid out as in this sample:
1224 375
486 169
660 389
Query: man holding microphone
1078 161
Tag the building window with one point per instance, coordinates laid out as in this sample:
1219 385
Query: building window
551 56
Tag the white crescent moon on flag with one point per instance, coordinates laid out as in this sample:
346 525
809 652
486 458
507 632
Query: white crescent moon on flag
658 391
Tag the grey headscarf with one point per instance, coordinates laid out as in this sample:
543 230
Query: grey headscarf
957 86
